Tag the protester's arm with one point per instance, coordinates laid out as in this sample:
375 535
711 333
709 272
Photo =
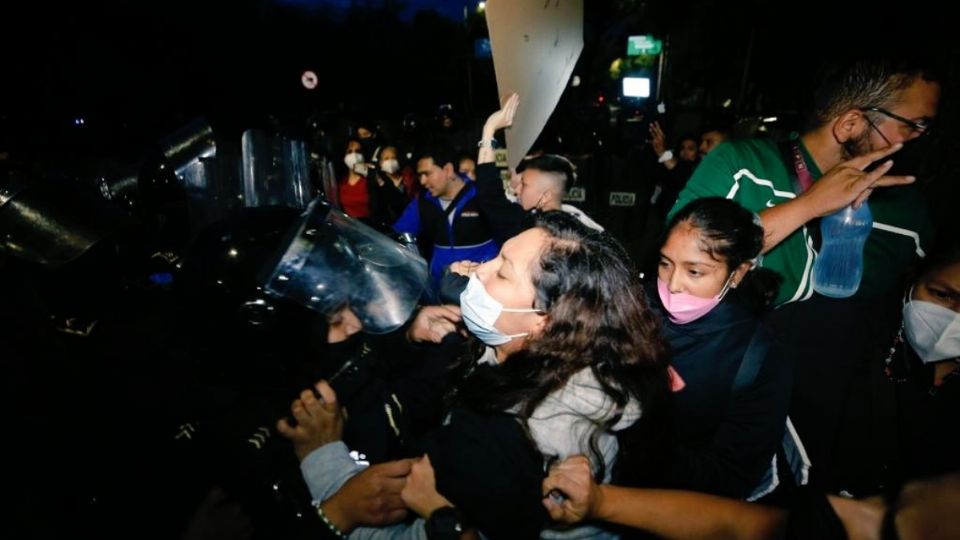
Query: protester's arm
847 183
659 143
504 218
498 120
668 513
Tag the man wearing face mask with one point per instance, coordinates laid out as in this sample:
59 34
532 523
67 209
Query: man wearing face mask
861 114
544 180
924 362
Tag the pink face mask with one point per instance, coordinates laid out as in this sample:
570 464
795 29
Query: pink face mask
684 308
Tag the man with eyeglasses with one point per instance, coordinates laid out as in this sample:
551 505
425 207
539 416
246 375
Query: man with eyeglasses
862 114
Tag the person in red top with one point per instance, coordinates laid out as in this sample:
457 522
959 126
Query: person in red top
353 188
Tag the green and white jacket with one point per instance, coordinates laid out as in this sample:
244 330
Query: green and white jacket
754 173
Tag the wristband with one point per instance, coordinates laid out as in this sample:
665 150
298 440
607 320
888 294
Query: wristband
330 525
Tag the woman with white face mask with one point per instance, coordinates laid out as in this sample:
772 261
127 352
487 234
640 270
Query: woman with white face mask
396 186
729 418
354 190
570 356
924 363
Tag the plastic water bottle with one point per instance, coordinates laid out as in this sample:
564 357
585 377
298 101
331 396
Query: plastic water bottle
839 265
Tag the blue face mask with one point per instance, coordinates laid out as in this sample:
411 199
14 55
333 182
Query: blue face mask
480 310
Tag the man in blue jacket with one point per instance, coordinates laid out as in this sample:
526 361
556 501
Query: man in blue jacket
445 218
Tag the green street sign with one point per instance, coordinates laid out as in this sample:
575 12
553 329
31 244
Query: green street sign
647 44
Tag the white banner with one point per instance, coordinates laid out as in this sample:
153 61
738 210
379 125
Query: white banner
535 45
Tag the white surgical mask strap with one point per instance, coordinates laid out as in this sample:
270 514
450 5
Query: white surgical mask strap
521 310
726 287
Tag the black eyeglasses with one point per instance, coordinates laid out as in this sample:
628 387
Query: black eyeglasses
921 127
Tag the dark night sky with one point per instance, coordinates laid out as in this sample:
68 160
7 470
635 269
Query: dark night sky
452 9
139 70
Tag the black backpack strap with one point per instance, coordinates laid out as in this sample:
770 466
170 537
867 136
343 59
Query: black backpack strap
752 360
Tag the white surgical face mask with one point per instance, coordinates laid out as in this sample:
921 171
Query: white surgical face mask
932 330
352 159
480 310
389 166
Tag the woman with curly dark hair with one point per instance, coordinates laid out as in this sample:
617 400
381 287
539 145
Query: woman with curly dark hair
572 355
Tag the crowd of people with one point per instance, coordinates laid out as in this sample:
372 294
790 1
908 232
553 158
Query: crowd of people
541 382
726 378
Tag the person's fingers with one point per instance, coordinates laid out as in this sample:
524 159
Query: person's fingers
511 112
885 181
394 516
864 161
511 105
392 485
327 394
307 397
447 313
556 481
417 469
398 468
574 463
300 414
451 311
284 428
874 175
440 328
862 198
310 402
554 509
877 178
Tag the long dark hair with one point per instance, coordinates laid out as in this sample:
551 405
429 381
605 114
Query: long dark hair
732 235
597 317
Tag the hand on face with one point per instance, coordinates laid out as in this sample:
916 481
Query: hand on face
848 183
